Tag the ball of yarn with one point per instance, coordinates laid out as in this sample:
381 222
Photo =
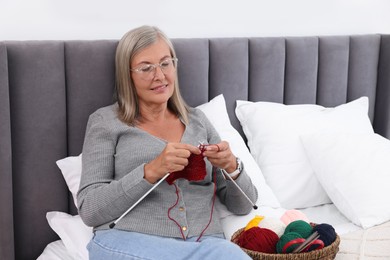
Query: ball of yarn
286 238
274 224
292 215
301 227
254 222
327 233
258 239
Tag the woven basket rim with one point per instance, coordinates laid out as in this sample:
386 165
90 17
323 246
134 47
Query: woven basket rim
328 252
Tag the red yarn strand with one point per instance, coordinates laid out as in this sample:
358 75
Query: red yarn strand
212 206
211 212
194 171
169 211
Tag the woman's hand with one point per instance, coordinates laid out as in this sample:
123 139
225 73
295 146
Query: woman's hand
173 158
221 156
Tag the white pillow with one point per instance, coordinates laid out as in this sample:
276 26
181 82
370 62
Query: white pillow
73 232
273 132
71 170
354 169
55 250
216 112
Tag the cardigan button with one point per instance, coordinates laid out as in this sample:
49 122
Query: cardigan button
181 209
184 228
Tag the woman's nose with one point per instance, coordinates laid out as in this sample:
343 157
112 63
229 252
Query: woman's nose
158 73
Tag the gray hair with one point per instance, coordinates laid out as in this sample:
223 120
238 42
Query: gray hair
132 43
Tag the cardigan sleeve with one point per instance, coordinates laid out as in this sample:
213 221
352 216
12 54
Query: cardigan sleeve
102 197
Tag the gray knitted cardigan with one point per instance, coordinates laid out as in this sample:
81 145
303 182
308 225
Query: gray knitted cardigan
113 159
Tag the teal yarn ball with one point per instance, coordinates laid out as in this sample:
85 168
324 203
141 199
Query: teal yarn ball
284 239
301 227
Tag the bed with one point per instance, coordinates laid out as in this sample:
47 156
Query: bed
338 83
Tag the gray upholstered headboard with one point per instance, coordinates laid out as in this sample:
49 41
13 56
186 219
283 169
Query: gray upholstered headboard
48 89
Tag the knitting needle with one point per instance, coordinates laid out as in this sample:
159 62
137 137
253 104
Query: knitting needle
135 204
226 174
307 242
238 187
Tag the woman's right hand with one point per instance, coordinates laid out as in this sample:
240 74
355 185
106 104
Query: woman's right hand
173 158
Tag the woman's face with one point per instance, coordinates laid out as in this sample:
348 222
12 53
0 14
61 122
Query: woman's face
154 84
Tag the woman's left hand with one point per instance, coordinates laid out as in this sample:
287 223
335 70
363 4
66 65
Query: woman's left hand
221 156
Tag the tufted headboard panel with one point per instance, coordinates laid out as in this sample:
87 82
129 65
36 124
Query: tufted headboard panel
49 88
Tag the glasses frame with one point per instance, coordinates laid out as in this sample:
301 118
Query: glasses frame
154 66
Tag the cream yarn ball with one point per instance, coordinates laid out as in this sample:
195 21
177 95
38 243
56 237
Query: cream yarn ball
274 224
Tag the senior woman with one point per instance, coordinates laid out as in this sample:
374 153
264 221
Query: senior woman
132 145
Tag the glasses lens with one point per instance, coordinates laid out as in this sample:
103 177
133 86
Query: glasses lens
167 65
148 71
146 68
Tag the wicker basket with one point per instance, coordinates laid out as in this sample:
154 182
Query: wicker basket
326 253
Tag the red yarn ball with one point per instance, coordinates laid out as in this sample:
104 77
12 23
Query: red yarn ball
258 239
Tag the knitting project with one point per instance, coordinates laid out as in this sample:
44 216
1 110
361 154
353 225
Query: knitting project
194 171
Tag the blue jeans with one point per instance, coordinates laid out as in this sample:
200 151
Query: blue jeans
117 244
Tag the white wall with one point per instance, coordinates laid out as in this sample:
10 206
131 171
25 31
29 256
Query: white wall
110 19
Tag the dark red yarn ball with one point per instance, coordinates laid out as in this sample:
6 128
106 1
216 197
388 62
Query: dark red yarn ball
258 239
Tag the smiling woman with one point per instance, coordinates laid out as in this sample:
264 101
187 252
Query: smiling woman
146 46
154 86
130 148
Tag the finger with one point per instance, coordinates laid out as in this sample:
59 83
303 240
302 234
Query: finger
179 163
219 150
212 148
182 153
191 148
174 164
217 162
219 147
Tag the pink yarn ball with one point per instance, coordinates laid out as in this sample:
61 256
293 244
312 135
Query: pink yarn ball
292 215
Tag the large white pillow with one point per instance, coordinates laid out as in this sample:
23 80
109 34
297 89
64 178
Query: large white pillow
273 131
55 250
354 170
73 232
216 112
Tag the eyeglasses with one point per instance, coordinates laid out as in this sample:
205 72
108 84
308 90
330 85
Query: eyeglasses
148 71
